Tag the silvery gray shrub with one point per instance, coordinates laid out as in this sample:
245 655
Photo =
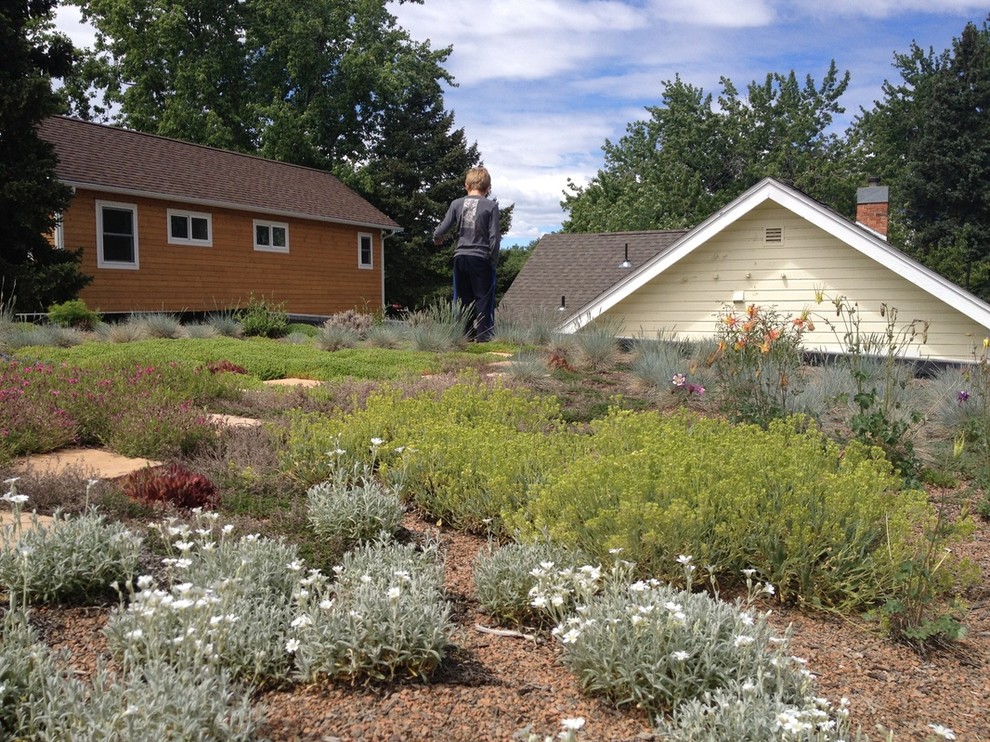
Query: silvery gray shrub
504 578
354 506
383 617
72 559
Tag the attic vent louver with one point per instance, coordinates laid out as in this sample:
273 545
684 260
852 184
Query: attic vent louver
773 234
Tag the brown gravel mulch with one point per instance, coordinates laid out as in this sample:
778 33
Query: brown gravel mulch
500 688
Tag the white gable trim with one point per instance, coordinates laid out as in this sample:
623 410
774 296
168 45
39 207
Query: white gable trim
859 238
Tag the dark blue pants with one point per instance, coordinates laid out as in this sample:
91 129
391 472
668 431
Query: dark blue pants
474 289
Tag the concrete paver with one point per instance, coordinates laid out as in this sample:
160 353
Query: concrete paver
95 462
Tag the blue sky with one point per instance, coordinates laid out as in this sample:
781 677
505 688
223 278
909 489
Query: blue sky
543 83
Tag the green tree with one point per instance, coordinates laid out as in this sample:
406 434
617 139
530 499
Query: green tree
929 139
691 157
302 81
511 261
31 197
415 168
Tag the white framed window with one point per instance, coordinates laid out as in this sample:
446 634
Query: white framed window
190 228
271 236
116 235
58 234
366 250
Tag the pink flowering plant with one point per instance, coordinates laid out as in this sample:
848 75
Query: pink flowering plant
137 410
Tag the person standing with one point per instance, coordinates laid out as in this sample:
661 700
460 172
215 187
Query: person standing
476 253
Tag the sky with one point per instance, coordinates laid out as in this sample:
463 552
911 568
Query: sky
542 84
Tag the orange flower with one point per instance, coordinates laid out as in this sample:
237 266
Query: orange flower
774 334
751 311
730 320
749 326
765 346
798 322
740 344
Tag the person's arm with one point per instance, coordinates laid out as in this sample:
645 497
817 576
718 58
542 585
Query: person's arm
448 221
494 237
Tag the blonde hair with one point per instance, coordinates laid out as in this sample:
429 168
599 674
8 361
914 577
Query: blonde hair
478 179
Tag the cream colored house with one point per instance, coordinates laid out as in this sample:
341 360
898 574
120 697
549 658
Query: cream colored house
772 246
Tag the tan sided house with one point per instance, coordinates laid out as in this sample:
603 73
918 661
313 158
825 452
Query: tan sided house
772 246
166 225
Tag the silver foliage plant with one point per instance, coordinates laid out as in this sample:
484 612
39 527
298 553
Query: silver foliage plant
648 644
71 559
353 506
504 578
41 700
226 603
383 617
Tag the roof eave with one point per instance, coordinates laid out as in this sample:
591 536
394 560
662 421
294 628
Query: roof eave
860 239
133 192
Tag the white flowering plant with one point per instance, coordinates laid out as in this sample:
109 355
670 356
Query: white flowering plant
654 646
225 603
504 579
383 617
70 560
353 506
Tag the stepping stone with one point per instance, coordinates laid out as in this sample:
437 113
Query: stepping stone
293 382
100 463
233 421
7 518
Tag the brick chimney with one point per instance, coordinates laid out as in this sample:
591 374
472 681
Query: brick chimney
872 204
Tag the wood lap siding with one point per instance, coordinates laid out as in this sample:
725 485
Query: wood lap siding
319 275
685 298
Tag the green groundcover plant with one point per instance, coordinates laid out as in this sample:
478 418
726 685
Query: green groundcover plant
830 527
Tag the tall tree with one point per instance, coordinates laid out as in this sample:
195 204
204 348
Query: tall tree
415 168
31 198
929 139
691 157
302 81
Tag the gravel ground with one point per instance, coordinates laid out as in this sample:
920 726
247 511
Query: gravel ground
498 688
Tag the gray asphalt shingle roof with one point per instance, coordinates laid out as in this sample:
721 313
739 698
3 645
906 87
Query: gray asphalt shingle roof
132 162
579 267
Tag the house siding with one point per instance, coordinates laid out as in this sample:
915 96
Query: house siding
318 276
687 296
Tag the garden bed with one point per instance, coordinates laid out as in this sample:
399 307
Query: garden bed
493 687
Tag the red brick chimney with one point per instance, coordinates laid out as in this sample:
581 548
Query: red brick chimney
872 205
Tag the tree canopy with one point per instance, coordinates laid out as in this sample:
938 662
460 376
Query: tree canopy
692 156
31 198
930 139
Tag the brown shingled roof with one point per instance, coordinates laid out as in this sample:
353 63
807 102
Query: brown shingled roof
131 162
579 267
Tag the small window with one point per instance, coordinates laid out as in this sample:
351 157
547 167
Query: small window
366 251
58 235
116 235
271 236
190 228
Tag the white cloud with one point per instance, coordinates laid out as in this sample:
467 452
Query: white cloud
68 20
719 13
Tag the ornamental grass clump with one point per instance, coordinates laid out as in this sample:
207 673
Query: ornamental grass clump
223 603
504 579
383 618
71 560
652 646
354 506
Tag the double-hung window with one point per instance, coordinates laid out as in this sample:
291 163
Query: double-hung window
366 251
116 235
190 228
271 236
